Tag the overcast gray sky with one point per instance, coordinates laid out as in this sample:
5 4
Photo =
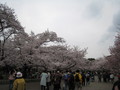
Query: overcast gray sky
82 23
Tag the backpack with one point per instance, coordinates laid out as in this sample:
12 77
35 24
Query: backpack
65 77
77 78
71 78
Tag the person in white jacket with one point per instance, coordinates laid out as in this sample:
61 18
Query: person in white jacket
43 81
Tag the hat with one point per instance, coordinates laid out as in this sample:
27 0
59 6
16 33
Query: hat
19 74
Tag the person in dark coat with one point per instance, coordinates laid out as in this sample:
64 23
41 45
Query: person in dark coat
83 79
57 80
71 81
116 85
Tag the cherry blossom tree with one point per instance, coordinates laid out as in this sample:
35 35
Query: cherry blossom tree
36 50
55 56
9 26
99 64
114 58
45 50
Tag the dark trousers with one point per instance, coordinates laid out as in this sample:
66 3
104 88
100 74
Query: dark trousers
42 87
56 86
71 86
48 85
11 84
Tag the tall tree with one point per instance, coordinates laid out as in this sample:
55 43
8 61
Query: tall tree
114 58
9 26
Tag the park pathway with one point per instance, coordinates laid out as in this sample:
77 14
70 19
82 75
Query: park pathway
92 86
98 86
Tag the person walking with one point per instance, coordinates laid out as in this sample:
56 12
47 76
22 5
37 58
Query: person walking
99 76
71 81
48 80
87 78
57 81
11 78
65 79
78 80
116 85
43 81
19 83
83 79
112 78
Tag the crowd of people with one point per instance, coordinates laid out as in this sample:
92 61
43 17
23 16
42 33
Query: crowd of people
106 77
65 80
